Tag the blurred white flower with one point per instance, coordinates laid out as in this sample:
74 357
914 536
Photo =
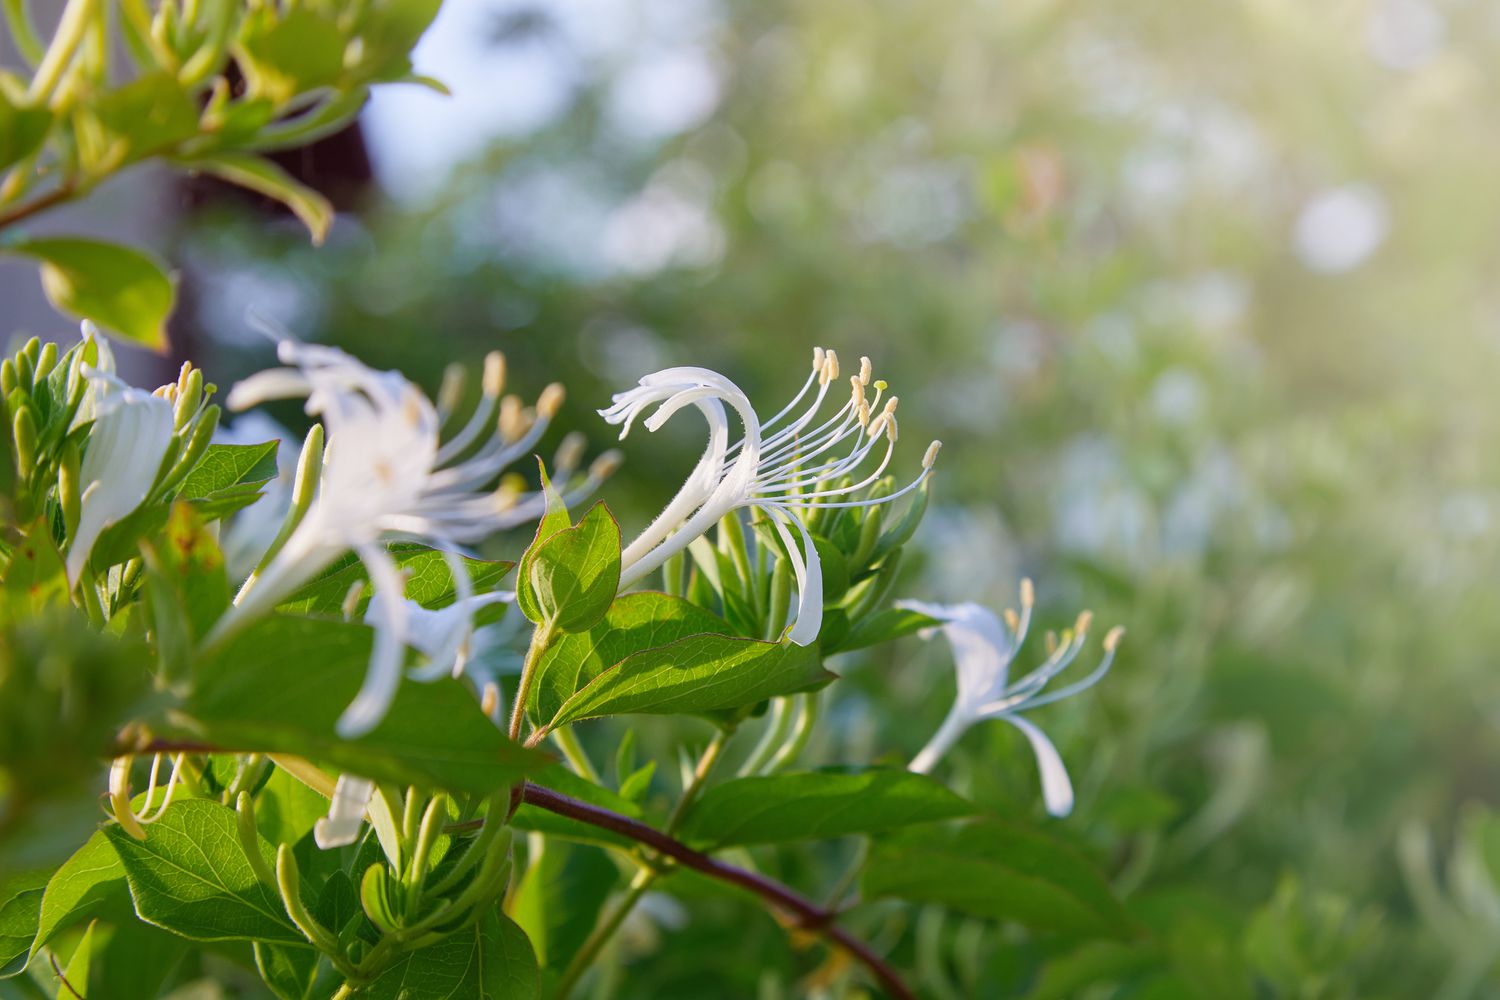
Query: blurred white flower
784 465
983 647
346 812
1340 228
387 475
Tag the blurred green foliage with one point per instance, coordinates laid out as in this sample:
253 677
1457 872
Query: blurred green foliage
1200 298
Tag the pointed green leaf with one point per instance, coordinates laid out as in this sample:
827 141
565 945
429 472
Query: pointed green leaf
571 577
1002 871
818 805
264 177
699 674
492 960
226 467
635 622
191 877
434 734
89 884
20 911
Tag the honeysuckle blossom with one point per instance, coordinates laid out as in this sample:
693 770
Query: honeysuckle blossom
131 431
386 474
788 465
346 812
984 645
246 536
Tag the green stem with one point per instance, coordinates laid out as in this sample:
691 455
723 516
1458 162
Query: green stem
602 934
540 640
770 740
572 750
644 878
72 29
806 722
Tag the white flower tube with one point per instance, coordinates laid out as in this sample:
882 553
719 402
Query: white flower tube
983 647
787 465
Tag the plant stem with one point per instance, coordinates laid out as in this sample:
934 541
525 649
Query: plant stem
646 877
540 640
810 916
41 203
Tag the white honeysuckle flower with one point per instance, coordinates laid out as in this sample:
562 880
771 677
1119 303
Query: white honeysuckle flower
984 644
346 812
131 432
386 475
787 465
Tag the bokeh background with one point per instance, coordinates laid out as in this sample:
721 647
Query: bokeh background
1203 300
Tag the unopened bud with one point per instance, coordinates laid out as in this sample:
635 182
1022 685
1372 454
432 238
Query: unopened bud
24 429
8 380
46 361
189 396
69 492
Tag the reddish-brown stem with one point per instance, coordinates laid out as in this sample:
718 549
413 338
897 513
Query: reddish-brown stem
810 916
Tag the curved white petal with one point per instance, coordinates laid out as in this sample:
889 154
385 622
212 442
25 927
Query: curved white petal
1057 789
384 674
983 648
809 573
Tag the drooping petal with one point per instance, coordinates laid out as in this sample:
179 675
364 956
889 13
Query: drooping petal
384 673
808 569
1057 789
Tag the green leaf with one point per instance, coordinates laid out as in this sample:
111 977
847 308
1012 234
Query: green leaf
492 960
434 734
187 588
264 177
428 580
20 910
22 130
699 674
289 972
559 898
818 805
34 577
1003 871
191 877
286 809
292 54
124 291
124 959
226 467
572 576
146 116
89 884
635 622
883 626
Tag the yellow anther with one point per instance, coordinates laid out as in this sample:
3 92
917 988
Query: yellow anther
494 374
932 453
1112 639
550 400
